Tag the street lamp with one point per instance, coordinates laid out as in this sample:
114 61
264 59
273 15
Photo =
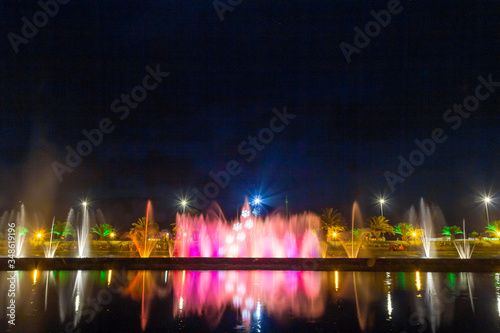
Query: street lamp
487 200
112 235
381 201
184 204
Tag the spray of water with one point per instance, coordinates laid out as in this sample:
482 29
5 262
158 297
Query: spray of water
349 239
82 234
50 250
464 248
274 236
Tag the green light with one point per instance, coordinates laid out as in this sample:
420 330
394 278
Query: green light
402 280
451 279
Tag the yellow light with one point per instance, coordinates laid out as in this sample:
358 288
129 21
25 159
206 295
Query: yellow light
336 280
184 203
109 277
34 276
498 233
185 234
487 199
382 201
84 203
112 234
417 282
334 234
414 234
38 235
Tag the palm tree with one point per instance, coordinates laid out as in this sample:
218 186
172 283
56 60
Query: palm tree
331 218
103 230
139 228
493 228
332 222
21 231
360 232
62 229
380 225
452 231
404 229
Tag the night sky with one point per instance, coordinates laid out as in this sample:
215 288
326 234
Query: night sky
353 119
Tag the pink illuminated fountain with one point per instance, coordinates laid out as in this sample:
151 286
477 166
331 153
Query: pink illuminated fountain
248 236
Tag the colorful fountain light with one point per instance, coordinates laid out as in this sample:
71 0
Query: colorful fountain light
145 240
247 236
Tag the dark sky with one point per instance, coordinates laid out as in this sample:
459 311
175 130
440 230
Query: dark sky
352 121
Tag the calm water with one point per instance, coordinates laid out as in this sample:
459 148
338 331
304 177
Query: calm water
258 301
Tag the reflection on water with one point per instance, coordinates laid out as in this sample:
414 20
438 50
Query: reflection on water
248 293
260 301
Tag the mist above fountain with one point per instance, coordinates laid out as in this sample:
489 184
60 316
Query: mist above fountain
274 236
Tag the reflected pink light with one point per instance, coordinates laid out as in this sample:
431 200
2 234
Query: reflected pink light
248 236
276 292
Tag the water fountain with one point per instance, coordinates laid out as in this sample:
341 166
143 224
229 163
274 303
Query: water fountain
21 235
464 248
247 236
82 234
50 250
145 240
350 240
429 218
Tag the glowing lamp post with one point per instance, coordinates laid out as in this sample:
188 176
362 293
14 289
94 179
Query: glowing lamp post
112 235
39 235
184 204
487 200
382 202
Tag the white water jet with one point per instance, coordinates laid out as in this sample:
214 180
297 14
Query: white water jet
20 234
464 248
50 250
348 239
82 234
426 224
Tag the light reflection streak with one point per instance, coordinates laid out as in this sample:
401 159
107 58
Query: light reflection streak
497 288
109 277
